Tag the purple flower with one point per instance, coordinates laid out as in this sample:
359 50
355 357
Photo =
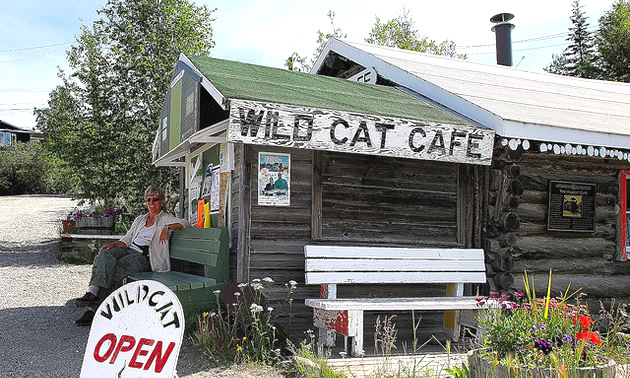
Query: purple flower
519 294
543 346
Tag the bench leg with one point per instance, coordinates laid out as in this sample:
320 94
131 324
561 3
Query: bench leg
327 337
451 322
355 327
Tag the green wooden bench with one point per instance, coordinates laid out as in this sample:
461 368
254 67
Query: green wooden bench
199 266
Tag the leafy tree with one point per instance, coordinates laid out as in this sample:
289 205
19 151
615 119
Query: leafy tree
298 63
102 120
400 32
613 42
579 58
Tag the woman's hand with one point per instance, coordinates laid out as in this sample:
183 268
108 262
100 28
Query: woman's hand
116 244
107 247
164 236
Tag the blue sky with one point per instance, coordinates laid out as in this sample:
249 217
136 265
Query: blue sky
267 32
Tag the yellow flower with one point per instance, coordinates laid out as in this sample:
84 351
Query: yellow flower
239 348
205 314
244 338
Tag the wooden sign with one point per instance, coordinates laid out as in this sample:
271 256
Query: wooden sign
317 129
137 331
571 206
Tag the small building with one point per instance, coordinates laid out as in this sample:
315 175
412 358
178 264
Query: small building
556 194
10 134
287 159
395 148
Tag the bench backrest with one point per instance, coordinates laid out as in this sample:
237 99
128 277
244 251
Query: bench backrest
345 265
205 246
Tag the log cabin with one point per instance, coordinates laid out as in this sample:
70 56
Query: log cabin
358 165
383 147
555 197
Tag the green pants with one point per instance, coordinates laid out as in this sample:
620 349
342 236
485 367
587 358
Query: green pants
110 267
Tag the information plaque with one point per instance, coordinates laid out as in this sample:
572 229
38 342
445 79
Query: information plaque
571 206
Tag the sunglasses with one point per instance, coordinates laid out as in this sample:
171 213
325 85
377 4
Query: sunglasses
154 199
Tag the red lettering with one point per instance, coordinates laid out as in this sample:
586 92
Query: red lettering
108 337
130 341
160 360
140 352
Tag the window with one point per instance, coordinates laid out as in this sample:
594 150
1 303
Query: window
624 215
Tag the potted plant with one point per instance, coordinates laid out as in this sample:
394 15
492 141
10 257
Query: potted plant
69 224
526 336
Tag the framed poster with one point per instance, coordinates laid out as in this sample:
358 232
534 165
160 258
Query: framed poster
571 206
274 179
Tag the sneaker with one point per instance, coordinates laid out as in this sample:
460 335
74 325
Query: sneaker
86 319
86 300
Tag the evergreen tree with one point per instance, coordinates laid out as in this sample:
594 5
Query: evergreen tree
578 59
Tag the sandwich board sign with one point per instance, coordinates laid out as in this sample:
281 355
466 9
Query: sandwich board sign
136 332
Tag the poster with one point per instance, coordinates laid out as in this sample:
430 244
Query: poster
571 206
274 179
195 187
215 187
207 181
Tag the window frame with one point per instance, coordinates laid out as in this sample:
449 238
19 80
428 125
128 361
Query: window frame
624 176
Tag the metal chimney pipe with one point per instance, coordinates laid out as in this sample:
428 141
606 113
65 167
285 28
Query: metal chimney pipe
503 33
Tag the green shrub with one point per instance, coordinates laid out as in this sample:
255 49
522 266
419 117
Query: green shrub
26 168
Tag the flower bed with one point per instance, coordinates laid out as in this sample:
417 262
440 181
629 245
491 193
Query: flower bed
521 331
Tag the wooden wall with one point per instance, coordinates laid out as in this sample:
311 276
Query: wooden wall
339 198
584 259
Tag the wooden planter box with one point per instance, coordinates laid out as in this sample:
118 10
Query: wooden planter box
95 226
482 368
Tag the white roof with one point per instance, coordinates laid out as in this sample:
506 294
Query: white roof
513 102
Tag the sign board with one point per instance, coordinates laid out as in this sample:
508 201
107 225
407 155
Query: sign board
571 206
137 331
298 127
367 76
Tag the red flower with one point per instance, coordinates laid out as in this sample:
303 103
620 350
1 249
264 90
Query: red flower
585 321
589 336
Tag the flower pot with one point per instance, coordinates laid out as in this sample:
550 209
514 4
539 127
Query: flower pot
482 368
95 226
68 225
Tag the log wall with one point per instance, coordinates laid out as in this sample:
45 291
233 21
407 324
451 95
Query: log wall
517 235
340 198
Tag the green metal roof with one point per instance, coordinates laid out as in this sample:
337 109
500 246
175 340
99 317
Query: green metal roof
236 80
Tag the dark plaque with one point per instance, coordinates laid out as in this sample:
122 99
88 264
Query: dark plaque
571 207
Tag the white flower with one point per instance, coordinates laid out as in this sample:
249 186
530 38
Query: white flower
217 292
257 286
269 309
256 280
293 284
267 280
237 294
254 308
242 285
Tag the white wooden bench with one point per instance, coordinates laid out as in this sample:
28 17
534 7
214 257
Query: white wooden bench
332 265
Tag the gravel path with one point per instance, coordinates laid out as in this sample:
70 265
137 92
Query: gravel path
38 337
